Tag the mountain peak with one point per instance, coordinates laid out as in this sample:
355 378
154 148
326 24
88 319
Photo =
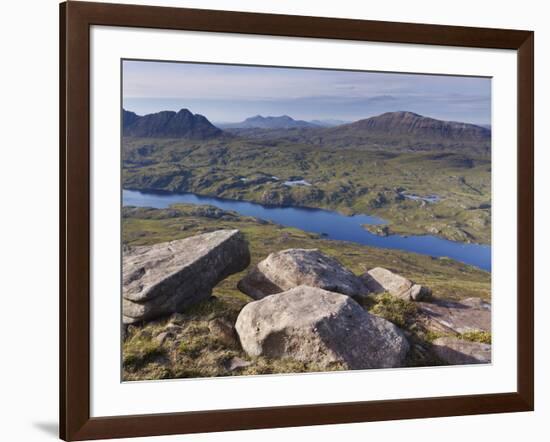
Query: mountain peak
169 124
410 121
184 111
402 114
409 125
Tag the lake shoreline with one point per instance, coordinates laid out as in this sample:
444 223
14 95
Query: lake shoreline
274 206
348 213
329 224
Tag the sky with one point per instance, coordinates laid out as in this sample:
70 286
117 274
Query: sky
232 93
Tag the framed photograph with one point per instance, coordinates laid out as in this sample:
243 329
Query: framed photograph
272 221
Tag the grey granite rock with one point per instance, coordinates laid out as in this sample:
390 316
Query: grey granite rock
471 314
290 268
169 277
379 280
316 326
456 351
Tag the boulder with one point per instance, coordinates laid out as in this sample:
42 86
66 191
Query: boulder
379 280
313 325
290 268
471 314
169 277
456 351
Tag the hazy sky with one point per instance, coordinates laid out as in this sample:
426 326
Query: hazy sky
225 93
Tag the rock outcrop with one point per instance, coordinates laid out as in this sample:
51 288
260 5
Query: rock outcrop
317 326
456 351
168 277
471 314
290 268
379 280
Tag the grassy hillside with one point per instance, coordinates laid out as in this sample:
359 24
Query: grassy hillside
198 352
351 180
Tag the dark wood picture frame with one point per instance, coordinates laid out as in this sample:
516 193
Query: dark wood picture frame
75 21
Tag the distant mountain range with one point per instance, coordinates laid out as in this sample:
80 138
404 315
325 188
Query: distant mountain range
282 122
397 130
329 122
260 122
168 124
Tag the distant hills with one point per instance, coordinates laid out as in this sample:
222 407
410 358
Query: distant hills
329 122
168 124
281 122
260 122
392 130
407 131
409 124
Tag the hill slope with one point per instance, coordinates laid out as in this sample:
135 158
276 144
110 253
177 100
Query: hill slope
411 131
411 124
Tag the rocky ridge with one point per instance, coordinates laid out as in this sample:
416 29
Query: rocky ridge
168 124
410 124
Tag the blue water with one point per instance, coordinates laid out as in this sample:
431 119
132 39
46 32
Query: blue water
332 225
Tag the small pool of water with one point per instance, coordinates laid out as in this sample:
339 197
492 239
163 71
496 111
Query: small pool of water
297 183
428 198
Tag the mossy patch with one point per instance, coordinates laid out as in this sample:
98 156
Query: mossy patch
393 309
481 336
140 350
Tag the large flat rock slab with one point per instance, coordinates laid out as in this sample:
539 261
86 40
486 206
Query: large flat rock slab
317 326
471 314
287 269
379 280
456 351
168 277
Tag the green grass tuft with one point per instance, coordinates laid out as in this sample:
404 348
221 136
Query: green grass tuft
396 310
140 350
477 336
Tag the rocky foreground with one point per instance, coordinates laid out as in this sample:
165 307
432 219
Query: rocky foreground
304 307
